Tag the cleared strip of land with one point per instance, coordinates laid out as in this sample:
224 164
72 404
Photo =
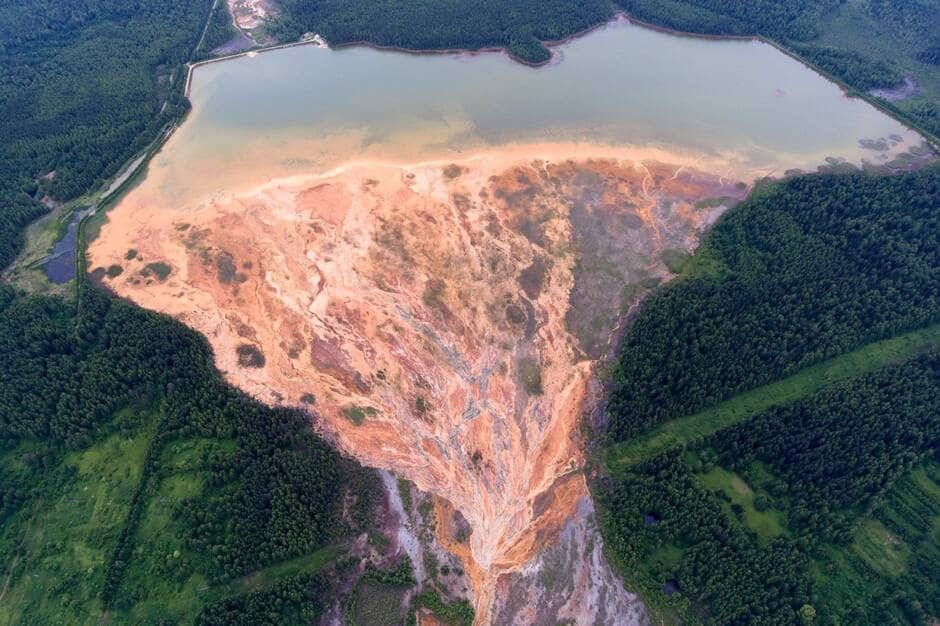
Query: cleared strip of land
309 563
684 430
273 574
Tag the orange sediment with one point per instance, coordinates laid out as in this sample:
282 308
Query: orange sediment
439 319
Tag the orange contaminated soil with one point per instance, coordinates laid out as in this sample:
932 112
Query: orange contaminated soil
438 319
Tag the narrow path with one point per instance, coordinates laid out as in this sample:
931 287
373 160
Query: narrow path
16 559
6 582
205 28
735 410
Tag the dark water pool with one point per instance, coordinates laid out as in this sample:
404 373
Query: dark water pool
61 264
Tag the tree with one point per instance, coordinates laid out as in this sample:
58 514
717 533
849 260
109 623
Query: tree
807 613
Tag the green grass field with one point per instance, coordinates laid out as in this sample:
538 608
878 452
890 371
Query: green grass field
767 524
881 550
887 549
54 550
687 429
60 543
307 564
160 582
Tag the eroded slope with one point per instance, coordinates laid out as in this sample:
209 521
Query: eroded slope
440 320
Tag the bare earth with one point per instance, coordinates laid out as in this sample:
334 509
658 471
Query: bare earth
250 18
441 320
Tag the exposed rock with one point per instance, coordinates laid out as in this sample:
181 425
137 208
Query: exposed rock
568 582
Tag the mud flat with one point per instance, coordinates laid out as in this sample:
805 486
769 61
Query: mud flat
430 255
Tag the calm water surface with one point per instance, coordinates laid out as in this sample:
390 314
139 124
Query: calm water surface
302 109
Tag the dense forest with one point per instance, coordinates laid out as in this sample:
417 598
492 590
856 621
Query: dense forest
778 19
740 522
856 69
842 447
220 30
272 490
520 26
802 271
84 85
295 600
778 519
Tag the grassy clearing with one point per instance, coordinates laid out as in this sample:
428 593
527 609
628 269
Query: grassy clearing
62 541
768 523
911 513
901 535
663 560
27 269
160 582
685 430
57 547
880 549
457 613
307 564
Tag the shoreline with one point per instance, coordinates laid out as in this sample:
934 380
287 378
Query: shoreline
619 15
848 90
502 50
728 164
526 152
616 17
